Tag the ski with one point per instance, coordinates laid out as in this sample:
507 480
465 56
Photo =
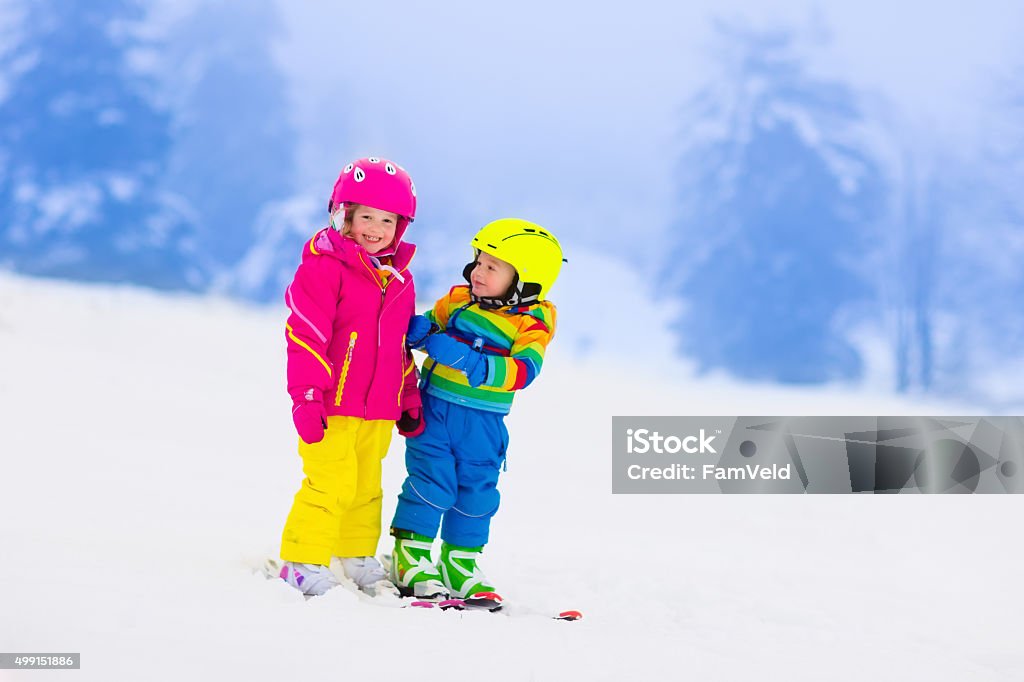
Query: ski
483 601
444 604
491 602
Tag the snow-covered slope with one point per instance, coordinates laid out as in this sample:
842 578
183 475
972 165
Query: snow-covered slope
148 462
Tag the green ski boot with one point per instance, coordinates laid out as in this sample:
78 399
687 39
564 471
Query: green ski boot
412 571
460 573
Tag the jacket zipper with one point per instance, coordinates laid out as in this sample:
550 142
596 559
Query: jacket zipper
344 368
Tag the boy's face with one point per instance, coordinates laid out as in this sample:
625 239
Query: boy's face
372 228
491 277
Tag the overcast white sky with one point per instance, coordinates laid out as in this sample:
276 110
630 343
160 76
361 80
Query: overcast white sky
583 98
569 112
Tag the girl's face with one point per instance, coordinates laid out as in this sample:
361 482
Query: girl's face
372 228
491 277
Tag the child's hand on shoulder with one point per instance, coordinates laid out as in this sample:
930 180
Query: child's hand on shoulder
457 355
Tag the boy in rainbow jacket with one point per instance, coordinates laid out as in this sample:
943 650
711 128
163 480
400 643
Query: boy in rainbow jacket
484 341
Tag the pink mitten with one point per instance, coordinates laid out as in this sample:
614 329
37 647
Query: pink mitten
310 416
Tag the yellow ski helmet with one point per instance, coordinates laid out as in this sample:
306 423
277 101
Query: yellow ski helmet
533 251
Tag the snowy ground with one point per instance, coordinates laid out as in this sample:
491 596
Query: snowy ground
148 463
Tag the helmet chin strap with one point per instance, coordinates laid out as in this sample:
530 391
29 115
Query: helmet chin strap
389 268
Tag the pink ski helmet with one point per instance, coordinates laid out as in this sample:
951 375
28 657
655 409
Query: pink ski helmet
380 184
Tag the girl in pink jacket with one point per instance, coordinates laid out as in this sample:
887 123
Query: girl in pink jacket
350 375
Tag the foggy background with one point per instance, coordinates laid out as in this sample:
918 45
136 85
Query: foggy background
799 192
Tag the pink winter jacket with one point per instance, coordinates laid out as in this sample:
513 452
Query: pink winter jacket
346 331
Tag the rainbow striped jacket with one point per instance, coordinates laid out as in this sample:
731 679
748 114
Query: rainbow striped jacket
514 341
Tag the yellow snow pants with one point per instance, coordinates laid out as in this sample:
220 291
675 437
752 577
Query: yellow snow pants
337 510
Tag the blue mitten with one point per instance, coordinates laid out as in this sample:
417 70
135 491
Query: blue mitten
457 355
419 329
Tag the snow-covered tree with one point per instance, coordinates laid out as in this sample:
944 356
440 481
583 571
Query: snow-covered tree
978 220
777 203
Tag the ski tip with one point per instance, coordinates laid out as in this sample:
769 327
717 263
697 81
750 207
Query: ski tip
419 604
490 601
569 615
490 596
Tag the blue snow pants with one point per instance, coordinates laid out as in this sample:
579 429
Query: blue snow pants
453 471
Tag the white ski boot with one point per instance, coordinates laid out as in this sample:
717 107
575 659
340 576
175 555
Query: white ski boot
310 579
368 575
